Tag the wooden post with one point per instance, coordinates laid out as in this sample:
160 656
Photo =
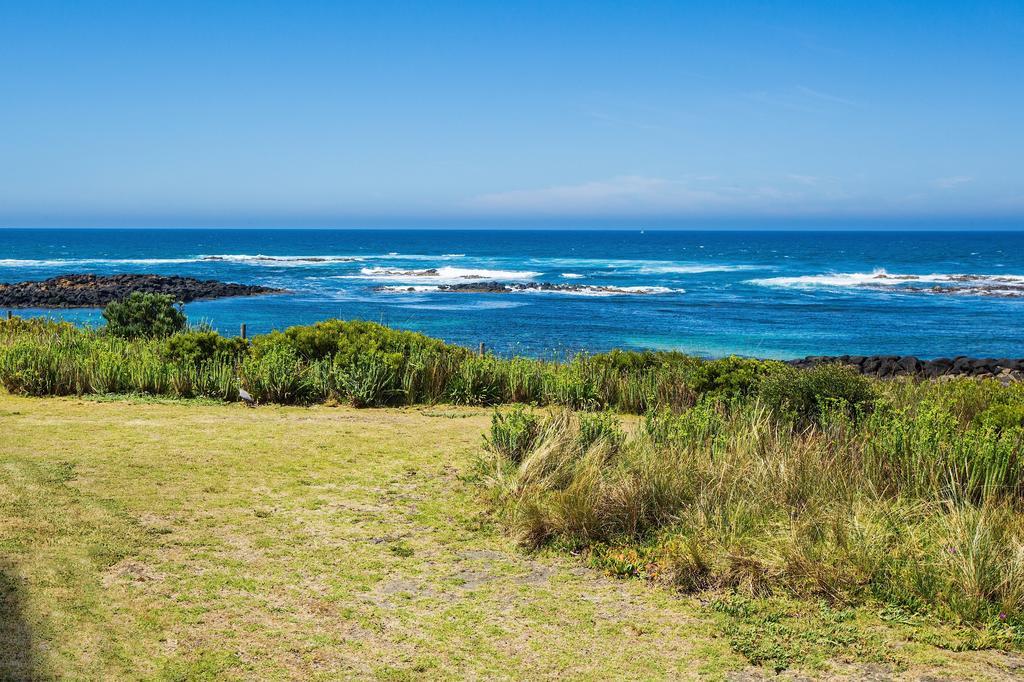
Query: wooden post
10 314
481 349
243 331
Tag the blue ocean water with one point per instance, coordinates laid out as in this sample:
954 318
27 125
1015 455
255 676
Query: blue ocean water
767 294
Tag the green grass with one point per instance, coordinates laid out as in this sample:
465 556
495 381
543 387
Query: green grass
349 361
913 507
162 540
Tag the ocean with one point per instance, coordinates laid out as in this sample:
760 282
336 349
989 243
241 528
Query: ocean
712 293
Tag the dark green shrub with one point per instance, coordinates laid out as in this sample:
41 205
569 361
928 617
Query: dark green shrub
348 339
144 315
197 347
807 393
514 432
637 361
731 377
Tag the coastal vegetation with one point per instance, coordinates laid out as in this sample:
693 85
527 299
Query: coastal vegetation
145 538
361 363
143 314
805 509
907 495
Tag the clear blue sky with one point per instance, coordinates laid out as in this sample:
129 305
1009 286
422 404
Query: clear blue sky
511 113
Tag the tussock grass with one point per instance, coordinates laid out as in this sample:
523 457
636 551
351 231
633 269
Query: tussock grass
916 502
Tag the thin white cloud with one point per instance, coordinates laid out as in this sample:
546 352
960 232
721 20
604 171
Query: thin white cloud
630 194
800 98
825 96
803 179
954 181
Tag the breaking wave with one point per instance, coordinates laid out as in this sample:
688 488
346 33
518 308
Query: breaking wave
882 280
251 259
448 274
63 262
535 288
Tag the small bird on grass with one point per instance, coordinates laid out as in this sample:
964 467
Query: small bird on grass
246 398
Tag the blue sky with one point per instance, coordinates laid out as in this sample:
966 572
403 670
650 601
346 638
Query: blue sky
511 114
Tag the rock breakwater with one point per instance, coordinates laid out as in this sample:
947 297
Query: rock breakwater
887 366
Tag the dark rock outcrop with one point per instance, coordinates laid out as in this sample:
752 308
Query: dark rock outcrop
886 366
95 291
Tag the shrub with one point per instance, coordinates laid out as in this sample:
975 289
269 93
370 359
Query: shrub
571 386
599 427
731 377
345 340
144 315
476 381
514 432
809 393
198 347
1003 416
277 375
369 380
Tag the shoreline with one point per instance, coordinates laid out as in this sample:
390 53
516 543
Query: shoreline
892 366
87 290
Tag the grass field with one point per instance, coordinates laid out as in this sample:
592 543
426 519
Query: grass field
190 541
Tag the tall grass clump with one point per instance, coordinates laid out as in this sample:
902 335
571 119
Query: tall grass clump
832 490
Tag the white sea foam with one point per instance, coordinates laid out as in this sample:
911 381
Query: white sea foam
233 258
578 290
882 279
327 259
572 275
637 266
692 269
598 290
443 274
68 262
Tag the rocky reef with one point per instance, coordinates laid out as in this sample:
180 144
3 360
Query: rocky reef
95 291
886 366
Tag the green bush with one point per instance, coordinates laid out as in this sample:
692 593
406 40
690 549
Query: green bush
369 380
345 340
731 377
1003 416
599 427
276 376
630 361
144 315
197 347
514 432
476 381
807 394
